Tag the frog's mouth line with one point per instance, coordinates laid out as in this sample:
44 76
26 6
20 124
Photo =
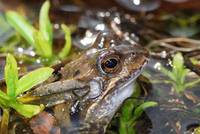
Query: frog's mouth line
130 79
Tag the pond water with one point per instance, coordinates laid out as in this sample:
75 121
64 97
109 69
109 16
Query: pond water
166 28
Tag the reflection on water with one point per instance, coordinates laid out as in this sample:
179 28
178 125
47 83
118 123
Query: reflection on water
140 5
176 112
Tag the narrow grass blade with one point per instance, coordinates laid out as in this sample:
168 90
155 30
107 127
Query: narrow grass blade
139 110
11 75
42 45
45 24
21 25
68 43
192 84
27 110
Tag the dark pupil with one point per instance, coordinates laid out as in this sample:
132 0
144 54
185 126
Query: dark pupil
111 63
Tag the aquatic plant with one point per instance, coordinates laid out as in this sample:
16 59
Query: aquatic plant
131 111
15 86
182 24
8 37
178 74
40 39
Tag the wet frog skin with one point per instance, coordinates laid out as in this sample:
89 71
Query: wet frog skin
84 94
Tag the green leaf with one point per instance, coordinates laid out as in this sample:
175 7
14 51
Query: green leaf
65 51
3 96
42 46
182 75
27 110
32 79
45 24
192 84
167 73
178 65
139 110
127 110
124 128
21 25
11 75
130 104
5 33
3 99
178 61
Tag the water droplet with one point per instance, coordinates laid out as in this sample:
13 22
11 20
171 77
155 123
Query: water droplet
20 50
140 5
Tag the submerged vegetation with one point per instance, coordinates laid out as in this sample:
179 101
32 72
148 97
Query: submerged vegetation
178 74
130 112
42 39
183 25
15 86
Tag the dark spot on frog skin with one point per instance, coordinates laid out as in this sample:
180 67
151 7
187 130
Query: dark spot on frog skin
56 76
49 110
77 72
75 113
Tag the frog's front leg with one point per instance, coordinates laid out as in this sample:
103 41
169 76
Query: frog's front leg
56 92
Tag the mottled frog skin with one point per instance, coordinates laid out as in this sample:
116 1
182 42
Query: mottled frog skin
84 94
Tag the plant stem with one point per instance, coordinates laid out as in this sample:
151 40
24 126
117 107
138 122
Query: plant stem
4 121
126 127
178 87
123 128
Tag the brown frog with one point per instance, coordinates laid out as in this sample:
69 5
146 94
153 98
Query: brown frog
84 94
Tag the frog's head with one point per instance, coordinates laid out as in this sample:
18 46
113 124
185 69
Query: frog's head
117 68
110 67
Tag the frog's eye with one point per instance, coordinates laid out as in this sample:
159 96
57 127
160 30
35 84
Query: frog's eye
110 64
